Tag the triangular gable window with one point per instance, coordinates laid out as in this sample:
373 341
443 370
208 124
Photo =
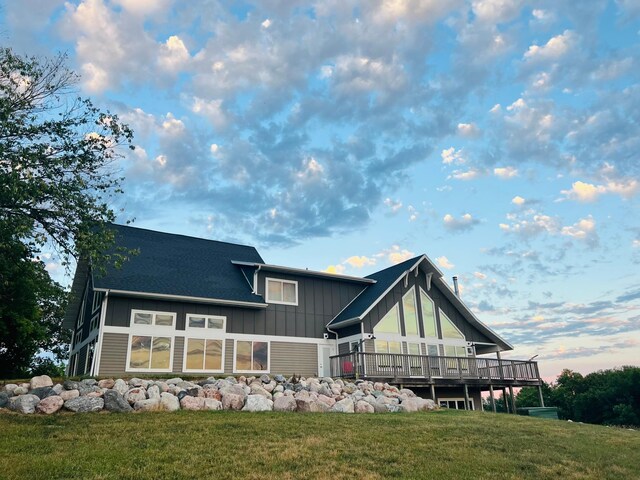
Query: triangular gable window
410 312
390 323
428 315
449 330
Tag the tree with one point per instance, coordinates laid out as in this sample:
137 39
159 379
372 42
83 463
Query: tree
529 396
58 181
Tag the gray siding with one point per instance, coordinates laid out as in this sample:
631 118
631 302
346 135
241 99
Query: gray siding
471 333
178 352
228 356
113 356
82 358
289 358
343 348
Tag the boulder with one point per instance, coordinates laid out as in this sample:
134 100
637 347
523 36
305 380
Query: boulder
169 402
280 378
285 404
120 386
84 404
69 394
325 390
265 378
232 401
136 382
107 383
259 390
192 403
270 387
344 406
24 403
212 393
57 388
329 401
21 390
363 406
4 399
407 392
70 385
42 392
40 381
115 402
135 395
9 388
50 404
95 393
91 382
212 404
150 404
173 381
349 388
258 403
153 392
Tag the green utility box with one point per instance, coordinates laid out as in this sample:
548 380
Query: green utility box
540 412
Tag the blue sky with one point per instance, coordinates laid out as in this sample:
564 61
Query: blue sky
499 137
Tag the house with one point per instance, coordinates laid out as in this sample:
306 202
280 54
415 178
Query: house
187 305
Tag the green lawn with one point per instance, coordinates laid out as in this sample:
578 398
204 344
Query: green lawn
190 445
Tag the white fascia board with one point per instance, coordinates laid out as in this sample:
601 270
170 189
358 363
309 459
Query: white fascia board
183 298
302 271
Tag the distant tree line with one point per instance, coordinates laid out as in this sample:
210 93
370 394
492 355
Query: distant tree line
606 397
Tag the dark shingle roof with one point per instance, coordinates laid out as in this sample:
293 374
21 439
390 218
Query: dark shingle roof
384 279
171 264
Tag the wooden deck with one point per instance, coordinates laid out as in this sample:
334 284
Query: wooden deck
423 370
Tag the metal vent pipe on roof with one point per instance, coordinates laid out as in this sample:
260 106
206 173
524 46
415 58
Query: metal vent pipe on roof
455 286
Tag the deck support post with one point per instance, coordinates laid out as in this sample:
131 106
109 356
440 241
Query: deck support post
540 395
493 400
466 397
505 400
433 392
513 400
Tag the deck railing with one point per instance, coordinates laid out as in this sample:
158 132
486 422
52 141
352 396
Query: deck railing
392 365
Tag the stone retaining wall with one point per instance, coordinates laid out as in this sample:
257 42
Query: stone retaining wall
252 394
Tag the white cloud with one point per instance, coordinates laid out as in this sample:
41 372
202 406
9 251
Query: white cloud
394 205
214 148
335 269
173 54
444 263
518 200
395 254
505 172
496 11
211 109
172 126
266 24
465 175
584 228
554 49
360 261
588 192
465 222
95 79
479 275
530 224
468 130
451 156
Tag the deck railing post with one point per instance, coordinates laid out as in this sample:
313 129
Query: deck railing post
459 361
493 400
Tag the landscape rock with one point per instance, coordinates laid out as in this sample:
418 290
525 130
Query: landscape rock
169 402
279 378
329 401
24 403
41 381
135 395
84 404
212 404
70 385
57 388
4 399
232 401
20 390
50 404
285 404
258 403
147 405
9 388
69 394
173 381
120 386
192 403
363 406
265 378
42 392
153 392
107 383
115 402
344 406
211 393
91 382
136 382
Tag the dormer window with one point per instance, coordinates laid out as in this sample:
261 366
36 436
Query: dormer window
283 292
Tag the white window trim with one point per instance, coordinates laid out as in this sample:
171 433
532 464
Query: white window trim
206 331
87 365
473 407
156 328
97 301
383 334
184 355
279 302
152 335
415 308
235 355
442 314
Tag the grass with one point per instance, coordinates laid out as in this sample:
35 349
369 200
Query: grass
439 445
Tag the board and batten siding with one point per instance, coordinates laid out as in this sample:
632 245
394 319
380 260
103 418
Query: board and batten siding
228 356
178 352
113 355
289 358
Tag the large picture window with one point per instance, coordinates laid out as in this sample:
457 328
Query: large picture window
390 323
410 312
204 355
251 356
282 291
428 315
150 353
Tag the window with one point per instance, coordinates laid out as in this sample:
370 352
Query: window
415 362
80 320
449 330
282 291
251 356
390 323
432 350
355 346
89 358
455 403
95 321
206 322
204 355
97 301
159 319
428 315
414 348
148 352
410 312
387 346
